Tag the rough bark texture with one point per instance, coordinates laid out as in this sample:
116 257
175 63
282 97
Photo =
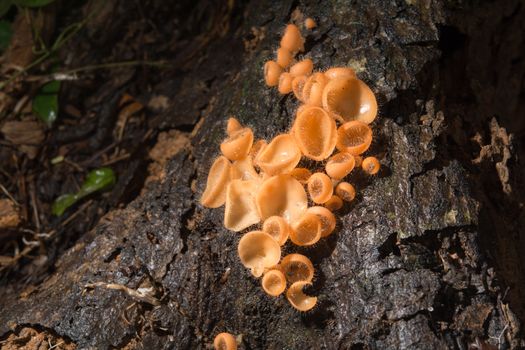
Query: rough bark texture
406 268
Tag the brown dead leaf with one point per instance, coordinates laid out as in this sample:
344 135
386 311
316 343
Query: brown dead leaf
9 215
27 135
168 145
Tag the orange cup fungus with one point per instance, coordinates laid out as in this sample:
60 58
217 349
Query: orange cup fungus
309 23
264 183
274 282
258 251
224 341
298 299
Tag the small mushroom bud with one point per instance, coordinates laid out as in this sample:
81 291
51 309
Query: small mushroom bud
218 178
285 83
340 72
297 267
303 67
280 156
298 299
309 23
282 195
284 57
334 203
340 165
292 39
232 126
354 137
315 133
224 341
301 174
371 165
306 231
297 87
327 219
320 188
257 251
345 191
313 89
274 282
272 71
238 145
350 99
278 228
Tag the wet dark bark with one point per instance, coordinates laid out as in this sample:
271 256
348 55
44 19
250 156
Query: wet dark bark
413 264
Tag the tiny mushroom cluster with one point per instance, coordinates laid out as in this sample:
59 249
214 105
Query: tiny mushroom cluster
260 183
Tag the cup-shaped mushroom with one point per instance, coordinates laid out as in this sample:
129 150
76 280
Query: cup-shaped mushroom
292 39
354 137
257 147
350 99
284 57
303 67
298 85
273 282
215 193
280 156
232 126
258 251
315 133
327 219
313 89
340 165
306 231
285 83
371 165
301 174
241 211
278 228
243 169
334 203
340 72
282 195
345 191
320 188
238 145
272 71
224 341
298 299
297 267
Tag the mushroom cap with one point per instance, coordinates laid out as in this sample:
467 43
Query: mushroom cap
274 282
315 133
309 23
232 126
340 165
303 67
354 137
224 341
327 219
272 71
350 99
297 267
334 203
301 174
238 145
241 210
218 177
257 251
371 165
243 169
298 85
320 188
284 57
306 231
285 83
345 191
340 72
282 195
292 39
278 228
257 147
313 89
280 156
298 299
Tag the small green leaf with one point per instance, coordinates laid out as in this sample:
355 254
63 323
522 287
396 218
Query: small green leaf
32 3
5 5
62 203
6 32
97 179
45 103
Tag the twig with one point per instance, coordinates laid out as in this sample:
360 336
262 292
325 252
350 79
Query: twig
8 194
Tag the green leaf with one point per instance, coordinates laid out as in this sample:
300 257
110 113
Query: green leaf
96 180
63 202
32 3
6 32
45 103
5 5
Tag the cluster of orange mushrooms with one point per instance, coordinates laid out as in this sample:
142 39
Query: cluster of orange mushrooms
260 181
